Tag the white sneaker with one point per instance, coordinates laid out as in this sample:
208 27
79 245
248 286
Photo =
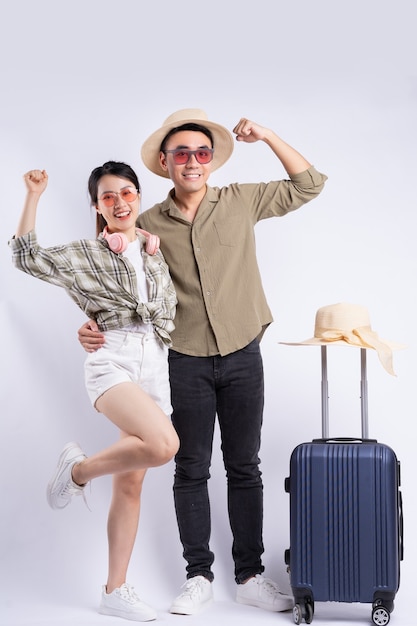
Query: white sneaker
61 487
124 602
263 593
197 595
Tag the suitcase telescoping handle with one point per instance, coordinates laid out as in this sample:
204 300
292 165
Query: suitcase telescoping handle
325 394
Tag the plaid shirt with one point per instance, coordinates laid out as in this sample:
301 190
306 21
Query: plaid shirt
103 284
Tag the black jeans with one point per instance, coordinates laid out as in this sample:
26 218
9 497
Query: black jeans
233 388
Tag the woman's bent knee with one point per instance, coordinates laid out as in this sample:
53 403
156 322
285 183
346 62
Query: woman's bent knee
165 449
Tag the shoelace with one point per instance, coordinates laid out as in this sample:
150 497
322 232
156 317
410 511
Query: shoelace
127 592
192 587
269 585
75 490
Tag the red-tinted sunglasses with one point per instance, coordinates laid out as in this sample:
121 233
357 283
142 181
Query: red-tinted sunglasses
181 156
128 194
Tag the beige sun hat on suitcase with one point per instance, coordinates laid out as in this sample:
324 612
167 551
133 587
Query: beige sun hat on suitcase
346 324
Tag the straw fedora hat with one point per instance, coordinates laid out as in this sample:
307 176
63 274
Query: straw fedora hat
345 324
223 140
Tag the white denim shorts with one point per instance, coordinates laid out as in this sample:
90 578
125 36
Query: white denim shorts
129 356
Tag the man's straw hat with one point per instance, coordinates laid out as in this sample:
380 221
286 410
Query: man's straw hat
222 138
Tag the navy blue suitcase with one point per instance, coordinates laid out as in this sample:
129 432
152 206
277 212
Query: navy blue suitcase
346 523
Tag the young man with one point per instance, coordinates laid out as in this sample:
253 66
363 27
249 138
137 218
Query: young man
208 241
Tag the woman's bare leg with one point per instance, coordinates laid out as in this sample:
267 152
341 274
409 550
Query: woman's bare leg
122 525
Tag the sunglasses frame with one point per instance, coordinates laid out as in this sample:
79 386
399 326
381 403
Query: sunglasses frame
190 153
116 194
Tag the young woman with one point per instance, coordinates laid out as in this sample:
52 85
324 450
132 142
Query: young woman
121 281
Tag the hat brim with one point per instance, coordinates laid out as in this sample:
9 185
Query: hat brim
223 145
314 341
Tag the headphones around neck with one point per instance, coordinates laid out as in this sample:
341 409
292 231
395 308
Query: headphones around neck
118 242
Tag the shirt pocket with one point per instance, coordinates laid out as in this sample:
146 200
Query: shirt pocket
227 230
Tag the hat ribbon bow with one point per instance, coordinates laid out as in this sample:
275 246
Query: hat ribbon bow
362 337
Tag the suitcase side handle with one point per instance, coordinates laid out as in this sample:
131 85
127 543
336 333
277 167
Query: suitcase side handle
401 522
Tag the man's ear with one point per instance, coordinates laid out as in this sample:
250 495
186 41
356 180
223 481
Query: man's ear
163 161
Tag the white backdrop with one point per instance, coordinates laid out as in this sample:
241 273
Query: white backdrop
88 81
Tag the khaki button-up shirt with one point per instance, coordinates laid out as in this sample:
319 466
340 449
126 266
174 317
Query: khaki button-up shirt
221 302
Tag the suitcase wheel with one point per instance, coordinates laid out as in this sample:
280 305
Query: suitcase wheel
297 614
380 615
301 611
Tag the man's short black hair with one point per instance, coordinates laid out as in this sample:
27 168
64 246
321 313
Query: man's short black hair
188 126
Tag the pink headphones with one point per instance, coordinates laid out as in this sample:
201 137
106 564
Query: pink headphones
118 242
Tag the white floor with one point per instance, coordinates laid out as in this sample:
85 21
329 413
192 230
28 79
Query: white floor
220 613
22 611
